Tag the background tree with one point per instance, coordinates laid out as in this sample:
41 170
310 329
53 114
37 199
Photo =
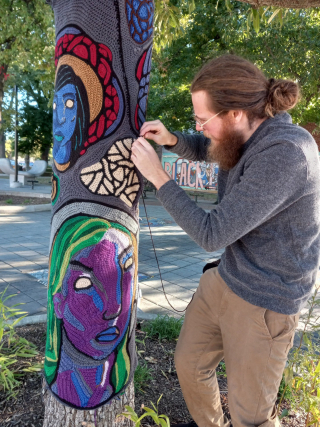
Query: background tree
27 42
299 4
35 130
279 50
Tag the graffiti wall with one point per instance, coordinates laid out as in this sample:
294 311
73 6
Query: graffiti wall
190 175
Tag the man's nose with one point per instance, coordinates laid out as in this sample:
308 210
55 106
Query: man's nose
198 128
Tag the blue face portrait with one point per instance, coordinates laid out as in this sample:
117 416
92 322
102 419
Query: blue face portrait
64 122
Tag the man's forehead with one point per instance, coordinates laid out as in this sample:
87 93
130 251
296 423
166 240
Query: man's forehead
199 101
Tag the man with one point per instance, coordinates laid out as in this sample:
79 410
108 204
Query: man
267 219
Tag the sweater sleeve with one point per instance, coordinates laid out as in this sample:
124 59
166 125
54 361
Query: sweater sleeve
190 147
272 180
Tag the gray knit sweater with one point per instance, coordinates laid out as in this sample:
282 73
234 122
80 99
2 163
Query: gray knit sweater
268 216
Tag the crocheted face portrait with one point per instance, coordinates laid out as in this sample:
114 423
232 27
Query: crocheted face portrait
70 118
88 103
91 306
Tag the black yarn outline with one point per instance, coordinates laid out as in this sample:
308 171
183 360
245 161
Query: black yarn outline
139 81
127 96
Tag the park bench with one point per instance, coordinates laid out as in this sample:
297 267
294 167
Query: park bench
38 169
200 192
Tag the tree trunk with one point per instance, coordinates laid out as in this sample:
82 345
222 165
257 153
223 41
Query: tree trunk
27 161
58 415
45 154
3 70
103 63
291 4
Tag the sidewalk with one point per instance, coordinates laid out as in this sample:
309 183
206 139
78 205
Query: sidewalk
40 190
24 249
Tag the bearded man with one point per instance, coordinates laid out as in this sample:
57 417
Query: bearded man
246 309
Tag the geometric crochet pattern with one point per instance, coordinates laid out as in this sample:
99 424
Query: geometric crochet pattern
140 19
103 61
114 175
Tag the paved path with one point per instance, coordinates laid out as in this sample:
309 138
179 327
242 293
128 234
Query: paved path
38 191
24 247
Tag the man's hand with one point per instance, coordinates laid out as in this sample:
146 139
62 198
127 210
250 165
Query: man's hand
147 161
157 132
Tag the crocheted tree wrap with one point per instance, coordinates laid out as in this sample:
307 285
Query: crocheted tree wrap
103 61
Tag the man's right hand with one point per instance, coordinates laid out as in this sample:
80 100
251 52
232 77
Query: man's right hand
157 132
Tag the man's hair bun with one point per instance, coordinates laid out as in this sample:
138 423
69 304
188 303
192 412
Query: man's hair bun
282 95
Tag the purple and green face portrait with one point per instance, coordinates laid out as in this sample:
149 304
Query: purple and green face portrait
96 296
91 292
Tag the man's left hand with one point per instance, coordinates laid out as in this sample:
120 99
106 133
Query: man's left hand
147 161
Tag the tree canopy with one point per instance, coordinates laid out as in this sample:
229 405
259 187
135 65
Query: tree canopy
284 44
26 44
290 50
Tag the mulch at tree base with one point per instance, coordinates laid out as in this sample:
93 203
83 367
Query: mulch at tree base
22 201
28 411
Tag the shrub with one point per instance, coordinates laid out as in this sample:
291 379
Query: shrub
14 350
302 375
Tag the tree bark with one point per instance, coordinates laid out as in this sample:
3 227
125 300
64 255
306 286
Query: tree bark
58 415
292 4
27 161
45 154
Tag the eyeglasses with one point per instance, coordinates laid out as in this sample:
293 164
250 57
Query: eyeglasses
202 124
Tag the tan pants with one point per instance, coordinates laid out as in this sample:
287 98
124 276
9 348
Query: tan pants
254 343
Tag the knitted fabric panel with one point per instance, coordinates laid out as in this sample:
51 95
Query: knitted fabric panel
103 63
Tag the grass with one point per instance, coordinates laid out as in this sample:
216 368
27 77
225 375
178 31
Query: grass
142 377
163 328
222 369
9 201
287 394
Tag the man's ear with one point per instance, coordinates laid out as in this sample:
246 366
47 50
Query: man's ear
236 115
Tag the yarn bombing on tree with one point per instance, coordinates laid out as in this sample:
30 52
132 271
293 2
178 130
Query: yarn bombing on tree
103 63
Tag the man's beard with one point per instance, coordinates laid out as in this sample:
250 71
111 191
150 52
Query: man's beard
227 151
